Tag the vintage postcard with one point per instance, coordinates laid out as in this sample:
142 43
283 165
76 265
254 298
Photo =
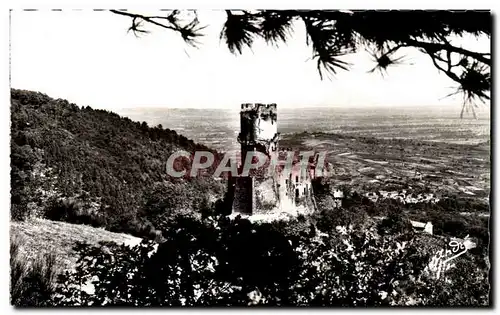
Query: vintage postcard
291 158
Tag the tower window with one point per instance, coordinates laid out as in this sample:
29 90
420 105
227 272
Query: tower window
296 179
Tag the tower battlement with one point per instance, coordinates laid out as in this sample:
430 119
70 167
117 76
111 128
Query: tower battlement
259 107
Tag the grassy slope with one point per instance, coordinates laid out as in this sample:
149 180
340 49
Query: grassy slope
40 236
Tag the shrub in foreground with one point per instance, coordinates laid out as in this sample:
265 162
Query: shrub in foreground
32 283
221 262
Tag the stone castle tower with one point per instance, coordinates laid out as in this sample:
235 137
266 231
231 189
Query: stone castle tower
262 192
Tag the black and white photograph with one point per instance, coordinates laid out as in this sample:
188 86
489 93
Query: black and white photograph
252 158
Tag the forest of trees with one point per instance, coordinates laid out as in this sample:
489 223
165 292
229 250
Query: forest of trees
82 165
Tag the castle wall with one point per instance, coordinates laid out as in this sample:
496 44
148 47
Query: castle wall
244 197
263 192
295 188
266 195
265 128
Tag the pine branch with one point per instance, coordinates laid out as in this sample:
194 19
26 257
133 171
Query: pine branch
333 33
149 19
434 47
189 32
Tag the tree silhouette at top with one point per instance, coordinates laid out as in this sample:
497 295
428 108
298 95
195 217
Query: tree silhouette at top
333 34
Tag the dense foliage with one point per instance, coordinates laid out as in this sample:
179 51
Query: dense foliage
218 262
92 166
450 216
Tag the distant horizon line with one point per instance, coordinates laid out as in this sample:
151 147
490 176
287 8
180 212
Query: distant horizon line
481 108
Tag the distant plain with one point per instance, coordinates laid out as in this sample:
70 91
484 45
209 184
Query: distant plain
219 128
369 149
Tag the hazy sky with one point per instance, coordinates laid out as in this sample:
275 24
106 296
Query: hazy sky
88 58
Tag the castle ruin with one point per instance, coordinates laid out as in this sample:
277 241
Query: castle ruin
284 189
